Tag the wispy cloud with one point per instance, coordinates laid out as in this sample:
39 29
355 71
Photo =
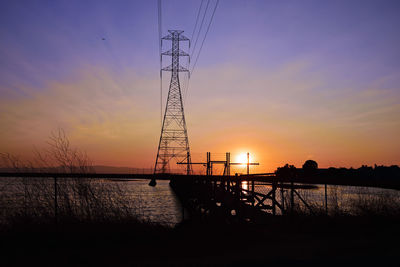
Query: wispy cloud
95 106
282 116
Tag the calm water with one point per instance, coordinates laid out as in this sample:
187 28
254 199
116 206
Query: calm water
156 204
340 199
160 205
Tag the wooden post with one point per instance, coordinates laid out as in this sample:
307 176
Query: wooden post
214 188
326 200
25 197
291 197
55 201
273 197
228 184
248 171
282 198
228 163
208 163
237 189
252 181
252 193
227 168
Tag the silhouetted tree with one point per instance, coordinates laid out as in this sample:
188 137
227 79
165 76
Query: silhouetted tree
287 171
310 165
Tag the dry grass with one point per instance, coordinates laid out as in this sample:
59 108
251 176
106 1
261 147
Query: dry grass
64 199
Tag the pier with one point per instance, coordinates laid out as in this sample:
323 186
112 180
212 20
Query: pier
247 197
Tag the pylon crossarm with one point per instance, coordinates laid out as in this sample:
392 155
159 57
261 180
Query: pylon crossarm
171 68
175 35
180 53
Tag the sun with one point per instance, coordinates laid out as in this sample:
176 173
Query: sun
241 158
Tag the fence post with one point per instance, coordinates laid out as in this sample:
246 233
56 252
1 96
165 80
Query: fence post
273 197
55 201
252 193
282 198
291 197
25 197
326 199
237 186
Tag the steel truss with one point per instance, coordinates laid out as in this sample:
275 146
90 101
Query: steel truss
174 142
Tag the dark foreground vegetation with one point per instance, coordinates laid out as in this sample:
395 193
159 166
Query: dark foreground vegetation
282 240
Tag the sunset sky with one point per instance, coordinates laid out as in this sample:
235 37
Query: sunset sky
286 81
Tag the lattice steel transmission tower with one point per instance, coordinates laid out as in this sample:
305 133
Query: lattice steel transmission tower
174 142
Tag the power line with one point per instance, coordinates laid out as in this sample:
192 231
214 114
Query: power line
160 51
197 19
186 88
208 28
202 43
201 26
186 85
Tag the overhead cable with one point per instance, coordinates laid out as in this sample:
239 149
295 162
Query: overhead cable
202 43
186 85
201 26
205 36
160 51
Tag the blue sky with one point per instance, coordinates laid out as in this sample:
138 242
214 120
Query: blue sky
52 37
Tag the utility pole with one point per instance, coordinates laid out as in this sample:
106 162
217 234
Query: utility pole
174 142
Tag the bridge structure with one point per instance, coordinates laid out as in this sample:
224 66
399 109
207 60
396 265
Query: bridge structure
248 197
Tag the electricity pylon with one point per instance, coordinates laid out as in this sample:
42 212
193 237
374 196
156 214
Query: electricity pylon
174 142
